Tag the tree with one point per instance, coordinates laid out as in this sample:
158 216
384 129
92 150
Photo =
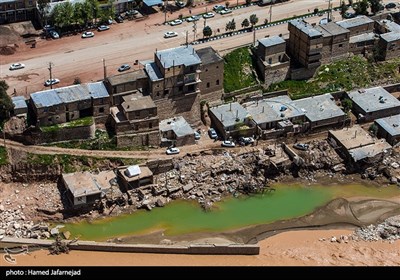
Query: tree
375 5
347 104
245 23
63 14
343 8
253 20
361 7
266 21
6 104
248 2
231 25
207 31
350 2
227 4
43 9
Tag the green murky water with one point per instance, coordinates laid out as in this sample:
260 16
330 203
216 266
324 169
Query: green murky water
181 217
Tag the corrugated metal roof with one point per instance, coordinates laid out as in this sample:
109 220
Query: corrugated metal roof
320 107
150 3
153 72
73 93
178 125
391 36
46 98
19 102
353 22
97 90
185 55
390 124
271 41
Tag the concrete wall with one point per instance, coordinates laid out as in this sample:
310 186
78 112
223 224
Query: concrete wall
140 139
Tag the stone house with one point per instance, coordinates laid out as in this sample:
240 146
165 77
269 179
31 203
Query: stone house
358 25
176 131
389 128
335 41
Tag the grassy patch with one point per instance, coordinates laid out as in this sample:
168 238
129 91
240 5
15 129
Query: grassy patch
75 123
347 74
3 156
238 70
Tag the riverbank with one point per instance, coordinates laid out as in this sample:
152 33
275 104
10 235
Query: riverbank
292 248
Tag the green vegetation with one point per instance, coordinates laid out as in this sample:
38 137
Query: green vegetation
86 121
3 156
238 71
207 31
346 74
6 104
71 163
347 104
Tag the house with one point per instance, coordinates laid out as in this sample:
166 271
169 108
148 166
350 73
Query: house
321 111
358 145
272 60
125 84
176 131
135 121
212 72
279 115
335 41
363 43
389 128
358 25
17 10
373 103
20 106
389 45
386 26
84 188
134 176
231 120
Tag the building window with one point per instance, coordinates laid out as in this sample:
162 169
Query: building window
208 85
340 45
158 93
49 119
166 91
206 69
191 68
150 125
280 58
137 113
270 60
180 88
101 110
217 67
217 82
157 86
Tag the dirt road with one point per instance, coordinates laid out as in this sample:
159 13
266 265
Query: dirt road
74 57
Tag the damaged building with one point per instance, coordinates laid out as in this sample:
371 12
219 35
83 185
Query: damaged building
176 131
389 129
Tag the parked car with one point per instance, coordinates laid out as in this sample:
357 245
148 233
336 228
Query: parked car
301 146
87 34
218 8
208 15
16 66
390 5
119 19
170 34
180 4
103 27
54 34
124 67
212 133
225 11
228 143
246 140
192 18
50 82
172 151
175 22
197 135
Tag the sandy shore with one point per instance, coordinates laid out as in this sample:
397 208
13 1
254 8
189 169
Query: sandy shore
292 248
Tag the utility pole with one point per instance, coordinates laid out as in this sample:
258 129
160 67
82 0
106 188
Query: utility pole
194 30
254 36
205 19
51 75
104 68
270 13
187 37
329 11
165 11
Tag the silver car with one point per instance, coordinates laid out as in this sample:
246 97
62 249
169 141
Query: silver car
16 66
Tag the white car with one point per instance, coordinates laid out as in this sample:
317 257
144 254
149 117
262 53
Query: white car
103 27
170 34
172 151
16 66
192 18
208 15
225 11
175 22
227 143
87 34
50 82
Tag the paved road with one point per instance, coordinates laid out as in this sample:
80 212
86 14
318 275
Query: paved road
124 43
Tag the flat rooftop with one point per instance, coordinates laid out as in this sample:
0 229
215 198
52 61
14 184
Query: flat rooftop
354 22
318 108
185 55
19 102
390 25
391 36
127 77
85 183
271 41
208 55
373 99
145 172
370 150
229 114
390 124
178 125
153 71
363 38
306 28
353 137
273 109
332 28
134 102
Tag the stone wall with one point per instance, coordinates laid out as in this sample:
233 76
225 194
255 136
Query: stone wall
151 138
302 73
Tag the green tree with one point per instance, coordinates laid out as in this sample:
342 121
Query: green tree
63 14
43 9
361 7
347 104
343 8
248 2
207 31
94 9
78 11
245 23
6 104
231 25
227 4
253 19
375 5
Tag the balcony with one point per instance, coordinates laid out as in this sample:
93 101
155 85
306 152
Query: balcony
191 79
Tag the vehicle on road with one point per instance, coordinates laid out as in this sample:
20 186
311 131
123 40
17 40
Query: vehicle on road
103 27
124 67
172 151
301 146
225 11
54 34
170 34
390 5
180 4
212 133
119 19
197 135
16 66
208 15
246 140
175 22
192 18
50 82
228 143
87 34
218 8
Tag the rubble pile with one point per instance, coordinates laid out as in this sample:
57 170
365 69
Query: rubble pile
388 230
